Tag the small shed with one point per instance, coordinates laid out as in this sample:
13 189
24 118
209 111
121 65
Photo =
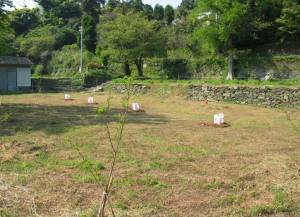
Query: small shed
15 73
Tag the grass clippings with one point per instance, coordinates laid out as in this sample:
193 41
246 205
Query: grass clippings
173 161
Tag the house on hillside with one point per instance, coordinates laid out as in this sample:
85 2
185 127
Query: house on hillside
15 73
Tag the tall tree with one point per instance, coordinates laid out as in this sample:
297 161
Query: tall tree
187 4
22 20
92 7
5 28
289 20
58 12
169 14
65 36
48 5
131 38
38 44
69 9
137 5
178 34
112 4
3 4
158 12
264 14
89 32
220 23
148 11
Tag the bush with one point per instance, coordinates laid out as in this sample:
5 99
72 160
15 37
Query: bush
94 66
96 77
176 68
38 70
186 68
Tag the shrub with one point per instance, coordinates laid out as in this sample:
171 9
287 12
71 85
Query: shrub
38 70
95 77
187 68
176 68
95 66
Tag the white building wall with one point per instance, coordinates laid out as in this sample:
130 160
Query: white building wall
23 77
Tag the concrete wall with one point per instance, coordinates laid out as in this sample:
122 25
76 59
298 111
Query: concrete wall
265 96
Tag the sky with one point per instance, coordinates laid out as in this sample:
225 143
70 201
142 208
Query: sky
173 3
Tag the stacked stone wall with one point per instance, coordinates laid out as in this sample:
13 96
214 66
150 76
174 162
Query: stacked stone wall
258 95
120 88
265 96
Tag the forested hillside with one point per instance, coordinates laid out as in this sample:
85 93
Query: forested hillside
198 38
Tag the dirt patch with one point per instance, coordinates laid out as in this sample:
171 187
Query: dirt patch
209 124
136 111
68 100
94 103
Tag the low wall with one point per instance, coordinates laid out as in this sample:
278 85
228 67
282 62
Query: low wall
54 85
136 88
265 96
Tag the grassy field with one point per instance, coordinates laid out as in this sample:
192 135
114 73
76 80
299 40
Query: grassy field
171 162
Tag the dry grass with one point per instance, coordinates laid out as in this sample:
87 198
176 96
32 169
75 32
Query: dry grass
171 163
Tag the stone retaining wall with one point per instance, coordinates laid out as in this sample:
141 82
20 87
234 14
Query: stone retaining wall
136 89
265 96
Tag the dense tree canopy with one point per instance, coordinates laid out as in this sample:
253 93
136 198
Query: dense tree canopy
148 11
169 14
188 4
4 26
158 12
194 29
22 20
289 21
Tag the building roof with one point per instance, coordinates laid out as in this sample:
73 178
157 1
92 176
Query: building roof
6 60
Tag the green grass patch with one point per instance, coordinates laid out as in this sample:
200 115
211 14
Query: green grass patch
154 182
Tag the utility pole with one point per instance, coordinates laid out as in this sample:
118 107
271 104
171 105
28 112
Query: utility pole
81 31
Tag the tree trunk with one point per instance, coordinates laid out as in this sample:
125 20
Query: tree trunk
230 74
139 65
127 68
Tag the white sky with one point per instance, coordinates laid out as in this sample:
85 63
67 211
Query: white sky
32 4
21 3
173 3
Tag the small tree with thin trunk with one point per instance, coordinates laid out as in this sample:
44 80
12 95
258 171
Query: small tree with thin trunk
115 139
114 133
